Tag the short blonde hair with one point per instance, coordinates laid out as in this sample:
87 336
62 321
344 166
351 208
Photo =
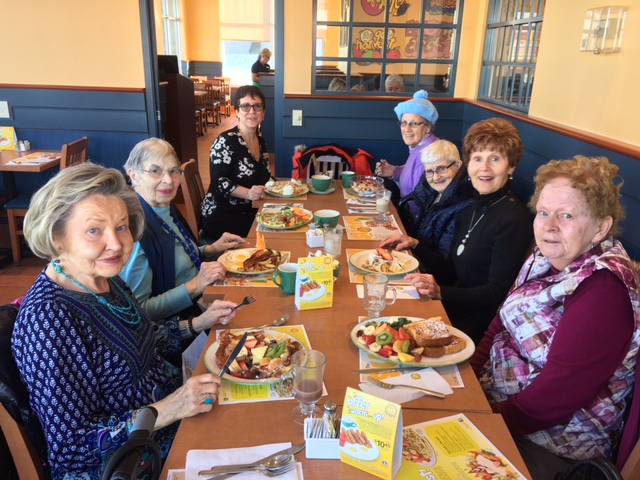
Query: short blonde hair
53 205
337 85
594 177
440 150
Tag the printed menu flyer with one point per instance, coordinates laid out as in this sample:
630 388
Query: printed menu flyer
370 228
371 434
452 448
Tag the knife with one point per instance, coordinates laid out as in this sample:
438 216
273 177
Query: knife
389 386
233 355
390 369
287 451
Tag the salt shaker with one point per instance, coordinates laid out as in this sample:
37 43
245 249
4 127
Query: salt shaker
330 420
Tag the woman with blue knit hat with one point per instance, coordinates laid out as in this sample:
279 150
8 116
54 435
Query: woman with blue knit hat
417 118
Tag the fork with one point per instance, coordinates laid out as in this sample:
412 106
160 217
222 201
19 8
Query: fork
275 472
248 300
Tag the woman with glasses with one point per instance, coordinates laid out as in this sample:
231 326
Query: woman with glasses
442 194
493 234
239 169
167 271
417 118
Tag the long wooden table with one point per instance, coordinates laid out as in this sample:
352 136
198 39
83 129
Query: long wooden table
241 425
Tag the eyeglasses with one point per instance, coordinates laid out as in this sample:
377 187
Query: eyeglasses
439 170
157 172
410 124
257 107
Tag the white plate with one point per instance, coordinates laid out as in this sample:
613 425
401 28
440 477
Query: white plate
361 452
308 214
232 260
359 259
301 190
212 366
451 359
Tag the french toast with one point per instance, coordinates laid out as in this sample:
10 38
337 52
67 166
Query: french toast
457 345
432 332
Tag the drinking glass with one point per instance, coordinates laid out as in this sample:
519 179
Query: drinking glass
375 294
333 241
308 377
383 199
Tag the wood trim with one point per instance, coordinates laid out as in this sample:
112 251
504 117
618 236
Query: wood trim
72 88
23 452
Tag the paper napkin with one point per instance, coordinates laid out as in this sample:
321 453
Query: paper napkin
427 378
205 459
403 292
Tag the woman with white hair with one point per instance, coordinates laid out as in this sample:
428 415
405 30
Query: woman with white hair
429 214
417 118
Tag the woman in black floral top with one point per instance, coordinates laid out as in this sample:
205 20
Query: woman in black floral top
239 169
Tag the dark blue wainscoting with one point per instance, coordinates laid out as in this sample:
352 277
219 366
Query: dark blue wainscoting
114 121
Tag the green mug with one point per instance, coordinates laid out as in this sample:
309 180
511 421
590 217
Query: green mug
346 178
321 183
286 272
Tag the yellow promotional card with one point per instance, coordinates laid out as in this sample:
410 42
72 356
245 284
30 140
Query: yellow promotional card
7 138
314 282
371 434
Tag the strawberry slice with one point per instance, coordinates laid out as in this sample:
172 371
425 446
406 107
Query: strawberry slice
384 253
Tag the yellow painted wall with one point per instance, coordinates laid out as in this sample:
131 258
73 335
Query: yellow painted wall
298 43
594 93
203 35
68 42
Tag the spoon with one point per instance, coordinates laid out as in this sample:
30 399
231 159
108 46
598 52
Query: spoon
276 323
275 462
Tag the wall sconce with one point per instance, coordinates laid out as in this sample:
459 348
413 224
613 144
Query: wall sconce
603 29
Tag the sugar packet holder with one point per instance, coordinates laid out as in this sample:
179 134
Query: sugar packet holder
325 448
315 236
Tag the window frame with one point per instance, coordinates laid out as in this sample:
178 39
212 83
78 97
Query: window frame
506 76
349 26
172 26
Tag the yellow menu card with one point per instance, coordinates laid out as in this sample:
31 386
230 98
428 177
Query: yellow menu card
452 448
7 138
314 282
371 434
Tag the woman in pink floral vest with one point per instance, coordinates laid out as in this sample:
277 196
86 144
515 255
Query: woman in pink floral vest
558 361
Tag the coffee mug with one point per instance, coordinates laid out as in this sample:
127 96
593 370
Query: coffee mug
346 178
326 217
286 272
321 183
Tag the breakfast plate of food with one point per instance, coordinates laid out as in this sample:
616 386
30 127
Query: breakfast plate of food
264 358
286 189
251 261
284 218
384 262
413 341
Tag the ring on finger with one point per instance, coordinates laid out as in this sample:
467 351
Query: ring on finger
208 400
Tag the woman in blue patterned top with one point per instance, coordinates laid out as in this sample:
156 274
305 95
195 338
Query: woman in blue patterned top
84 346
239 169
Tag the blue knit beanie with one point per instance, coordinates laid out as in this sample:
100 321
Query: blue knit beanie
420 106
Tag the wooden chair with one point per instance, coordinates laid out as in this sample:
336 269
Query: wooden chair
193 193
326 163
225 96
212 102
72 154
25 456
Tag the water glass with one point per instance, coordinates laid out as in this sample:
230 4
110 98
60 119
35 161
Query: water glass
375 294
308 378
333 241
383 201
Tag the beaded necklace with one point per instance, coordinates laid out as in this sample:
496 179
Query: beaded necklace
122 313
474 225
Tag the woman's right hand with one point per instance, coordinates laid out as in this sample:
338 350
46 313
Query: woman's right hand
220 311
188 400
385 169
399 242
209 273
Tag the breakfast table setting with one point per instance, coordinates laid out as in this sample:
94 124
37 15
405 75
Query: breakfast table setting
328 344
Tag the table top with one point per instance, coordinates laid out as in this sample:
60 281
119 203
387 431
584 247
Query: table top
328 331
6 156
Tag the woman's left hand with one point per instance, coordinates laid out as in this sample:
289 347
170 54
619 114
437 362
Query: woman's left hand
225 242
425 284
220 311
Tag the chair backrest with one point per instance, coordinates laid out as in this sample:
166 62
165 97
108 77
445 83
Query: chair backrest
19 423
193 193
327 163
74 153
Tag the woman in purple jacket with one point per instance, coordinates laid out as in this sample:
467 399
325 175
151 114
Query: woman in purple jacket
558 361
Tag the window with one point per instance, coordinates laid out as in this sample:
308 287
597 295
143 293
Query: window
410 44
246 27
171 27
510 52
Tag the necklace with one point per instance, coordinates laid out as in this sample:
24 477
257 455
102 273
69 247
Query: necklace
122 313
474 225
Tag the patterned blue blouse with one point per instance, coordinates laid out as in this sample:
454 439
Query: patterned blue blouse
88 374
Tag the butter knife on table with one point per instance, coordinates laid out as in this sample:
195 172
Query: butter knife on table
397 368
219 468
389 386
